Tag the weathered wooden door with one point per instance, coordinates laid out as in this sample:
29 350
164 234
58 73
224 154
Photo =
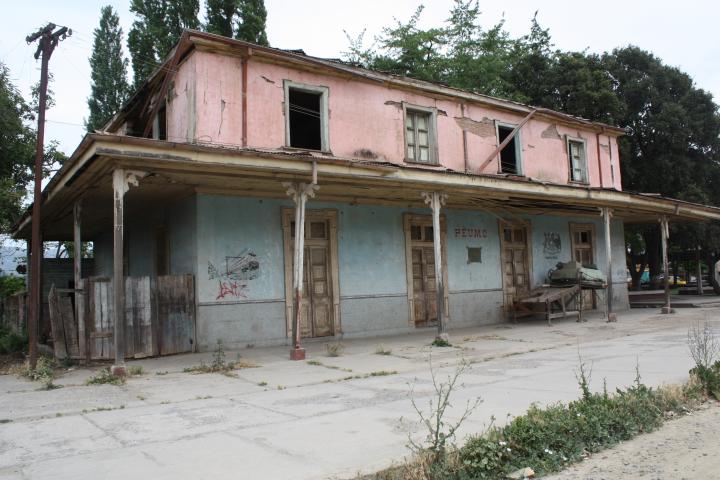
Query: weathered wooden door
176 313
424 286
316 317
583 251
515 262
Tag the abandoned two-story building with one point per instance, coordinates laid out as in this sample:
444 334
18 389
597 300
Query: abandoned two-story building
230 151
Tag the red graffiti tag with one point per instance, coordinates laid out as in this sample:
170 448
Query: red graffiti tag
230 289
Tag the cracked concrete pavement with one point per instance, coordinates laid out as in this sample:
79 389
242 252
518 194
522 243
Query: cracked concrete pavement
298 420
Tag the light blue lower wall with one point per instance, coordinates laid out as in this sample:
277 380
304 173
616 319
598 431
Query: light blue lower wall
206 232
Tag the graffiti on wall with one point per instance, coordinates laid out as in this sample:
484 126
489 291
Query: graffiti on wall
233 277
552 245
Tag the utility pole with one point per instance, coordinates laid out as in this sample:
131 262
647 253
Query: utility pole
48 40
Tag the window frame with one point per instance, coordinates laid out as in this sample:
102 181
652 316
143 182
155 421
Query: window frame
324 112
586 172
518 150
431 112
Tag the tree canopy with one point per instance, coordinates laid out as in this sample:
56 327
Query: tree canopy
109 88
673 141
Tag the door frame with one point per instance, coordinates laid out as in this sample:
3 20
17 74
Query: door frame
425 220
527 224
331 216
580 226
576 226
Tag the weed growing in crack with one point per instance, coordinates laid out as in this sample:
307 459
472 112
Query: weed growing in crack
219 364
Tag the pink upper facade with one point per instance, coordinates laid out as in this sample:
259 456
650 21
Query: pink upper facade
365 119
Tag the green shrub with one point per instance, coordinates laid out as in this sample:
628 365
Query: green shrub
708 378
44 372
11 342
105 377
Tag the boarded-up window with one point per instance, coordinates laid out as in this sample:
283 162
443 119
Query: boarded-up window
510 154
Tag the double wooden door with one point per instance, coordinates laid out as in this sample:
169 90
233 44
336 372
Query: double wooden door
316 305
515 261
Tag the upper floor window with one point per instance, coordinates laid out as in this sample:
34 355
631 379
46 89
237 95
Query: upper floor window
510 154
578 160
159 128
306 116
420 141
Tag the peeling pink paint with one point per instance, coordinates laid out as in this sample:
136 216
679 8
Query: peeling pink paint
364 116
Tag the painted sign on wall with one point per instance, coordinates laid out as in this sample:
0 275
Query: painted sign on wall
465 232
552 245
234 275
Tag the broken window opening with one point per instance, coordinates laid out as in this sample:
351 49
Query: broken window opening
159 129
510 155
306 115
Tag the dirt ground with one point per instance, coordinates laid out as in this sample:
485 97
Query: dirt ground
683 448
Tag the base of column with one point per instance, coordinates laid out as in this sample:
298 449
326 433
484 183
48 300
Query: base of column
118 370
612 317
666 310
297 354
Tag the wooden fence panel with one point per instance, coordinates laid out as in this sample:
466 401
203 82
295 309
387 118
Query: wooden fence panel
176 313
62 320
100 319
140 331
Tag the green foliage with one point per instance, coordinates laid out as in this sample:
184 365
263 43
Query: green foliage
219 15
105 377
109 88
10 285
709 379
157 27
440 342
251 23
44 372
17 149
11 342
219 364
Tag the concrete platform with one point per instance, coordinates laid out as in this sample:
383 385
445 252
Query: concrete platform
328 417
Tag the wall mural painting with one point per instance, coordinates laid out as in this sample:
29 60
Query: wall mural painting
234 277
552 245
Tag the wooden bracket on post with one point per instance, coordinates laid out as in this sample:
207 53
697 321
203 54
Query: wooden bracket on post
122 180
299 192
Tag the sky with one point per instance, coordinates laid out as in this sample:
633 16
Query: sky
673 31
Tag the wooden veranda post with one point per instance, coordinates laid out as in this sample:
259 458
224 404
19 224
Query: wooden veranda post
77 273
665 236
122 180
436 200
607 215
299 192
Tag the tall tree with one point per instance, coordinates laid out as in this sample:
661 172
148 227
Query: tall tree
157 27
109 88
220 16
252 16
